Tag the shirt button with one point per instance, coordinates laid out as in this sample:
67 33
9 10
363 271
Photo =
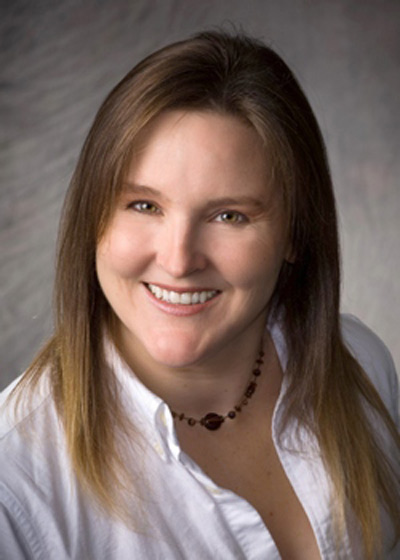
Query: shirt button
163 417
159 449
213 490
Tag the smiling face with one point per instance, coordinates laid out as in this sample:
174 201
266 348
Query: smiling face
192 253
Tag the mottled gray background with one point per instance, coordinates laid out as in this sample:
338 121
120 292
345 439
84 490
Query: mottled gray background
58 61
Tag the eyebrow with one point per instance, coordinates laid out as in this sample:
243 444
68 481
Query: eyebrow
222 201
142 189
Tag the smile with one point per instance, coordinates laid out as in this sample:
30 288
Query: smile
183 298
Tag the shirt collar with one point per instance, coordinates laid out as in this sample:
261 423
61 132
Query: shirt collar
146 410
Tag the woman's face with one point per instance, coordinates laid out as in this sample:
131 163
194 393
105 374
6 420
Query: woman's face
192 253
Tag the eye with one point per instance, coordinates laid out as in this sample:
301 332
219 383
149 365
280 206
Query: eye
231 217
144 206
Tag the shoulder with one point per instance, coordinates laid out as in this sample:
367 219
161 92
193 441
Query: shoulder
30 427
376 360
34 474
31 435
21 404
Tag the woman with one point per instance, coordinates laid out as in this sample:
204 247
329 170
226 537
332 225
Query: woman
200 396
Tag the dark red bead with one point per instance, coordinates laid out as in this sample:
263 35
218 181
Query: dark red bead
250 389
212 421
232 414
191 421
256 372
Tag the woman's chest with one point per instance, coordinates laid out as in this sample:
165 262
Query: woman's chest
253 471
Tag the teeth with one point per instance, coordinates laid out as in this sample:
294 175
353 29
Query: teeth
159 292
174 297
195 297
185 298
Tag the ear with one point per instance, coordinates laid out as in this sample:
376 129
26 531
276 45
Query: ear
290 255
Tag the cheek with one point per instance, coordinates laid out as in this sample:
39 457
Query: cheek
252 265
120 254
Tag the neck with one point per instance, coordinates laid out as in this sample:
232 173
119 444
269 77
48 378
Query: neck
217 383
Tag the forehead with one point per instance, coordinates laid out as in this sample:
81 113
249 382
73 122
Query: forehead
201 146
204 123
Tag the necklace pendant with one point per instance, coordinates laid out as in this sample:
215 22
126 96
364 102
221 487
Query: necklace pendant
212 421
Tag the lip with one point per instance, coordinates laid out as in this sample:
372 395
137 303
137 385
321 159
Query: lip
177 309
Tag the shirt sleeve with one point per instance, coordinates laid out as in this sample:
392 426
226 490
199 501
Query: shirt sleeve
18 538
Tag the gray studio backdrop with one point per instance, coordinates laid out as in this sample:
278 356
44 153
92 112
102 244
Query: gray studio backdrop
58 61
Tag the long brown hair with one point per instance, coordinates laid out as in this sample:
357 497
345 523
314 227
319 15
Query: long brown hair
328 390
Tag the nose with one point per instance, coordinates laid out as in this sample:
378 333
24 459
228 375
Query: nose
179 250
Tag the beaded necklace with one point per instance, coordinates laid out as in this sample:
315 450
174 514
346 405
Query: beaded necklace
212 420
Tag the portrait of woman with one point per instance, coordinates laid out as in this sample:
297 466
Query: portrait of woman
201 396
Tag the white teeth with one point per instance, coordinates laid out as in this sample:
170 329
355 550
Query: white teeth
185 298
195 297
158 292
174 297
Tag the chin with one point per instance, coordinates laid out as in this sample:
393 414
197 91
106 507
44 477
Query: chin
175 357
175 351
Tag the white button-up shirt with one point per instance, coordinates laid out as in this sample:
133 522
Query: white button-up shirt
181 513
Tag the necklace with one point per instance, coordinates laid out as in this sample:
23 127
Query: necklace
212 420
